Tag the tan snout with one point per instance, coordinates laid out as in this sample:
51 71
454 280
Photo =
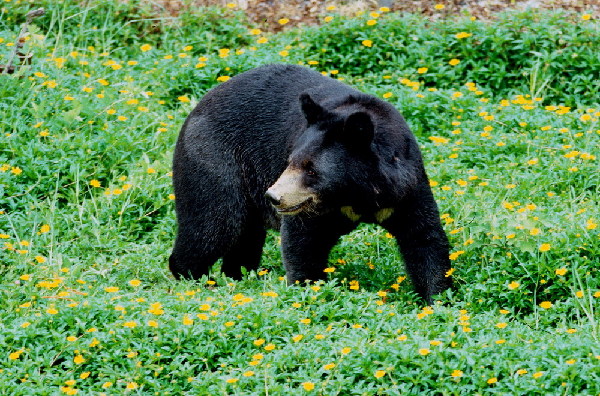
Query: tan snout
289 195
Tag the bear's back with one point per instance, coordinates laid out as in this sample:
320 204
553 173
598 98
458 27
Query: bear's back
264 102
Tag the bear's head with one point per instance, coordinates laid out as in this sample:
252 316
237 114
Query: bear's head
332 162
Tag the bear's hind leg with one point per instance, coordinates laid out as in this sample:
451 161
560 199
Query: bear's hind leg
246 252
190 259
201 240
423 244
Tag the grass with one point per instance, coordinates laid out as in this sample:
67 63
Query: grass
510 142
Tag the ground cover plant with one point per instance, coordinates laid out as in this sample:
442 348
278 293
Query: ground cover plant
506 113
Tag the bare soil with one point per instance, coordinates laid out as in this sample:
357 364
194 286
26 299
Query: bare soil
267 14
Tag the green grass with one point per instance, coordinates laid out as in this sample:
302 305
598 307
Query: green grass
510 141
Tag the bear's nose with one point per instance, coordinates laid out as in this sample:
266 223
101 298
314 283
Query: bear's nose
273 198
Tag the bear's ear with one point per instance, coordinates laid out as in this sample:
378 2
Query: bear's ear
312 111
358 130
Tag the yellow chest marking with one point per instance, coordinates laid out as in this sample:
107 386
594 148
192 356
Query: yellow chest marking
349 213
380 215
383 214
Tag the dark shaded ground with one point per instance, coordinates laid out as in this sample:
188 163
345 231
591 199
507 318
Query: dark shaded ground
267 14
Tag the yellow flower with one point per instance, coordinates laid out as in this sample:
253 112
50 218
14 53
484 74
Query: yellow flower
379 373
305 321
111 289
462 35
492 380
132 385
513 285
187 321
388 95
52 311
544 247
248 373
284 53
346 350
422 70
283 21
453 256
424 351
586 17
231 380
130 324
223 78
15 355
68 390
269 347
308 386
371 22
297 338
329 366
457 374
146 47
546 304
135 282
538 374
156 309
78 359
501 325
184 99
439 140
367 43
454 62
561 271
328 19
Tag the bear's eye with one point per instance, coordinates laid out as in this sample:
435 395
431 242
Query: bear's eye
308 168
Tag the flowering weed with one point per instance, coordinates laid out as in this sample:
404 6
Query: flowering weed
506 113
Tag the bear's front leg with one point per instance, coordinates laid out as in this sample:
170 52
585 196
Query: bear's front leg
306 243
423 244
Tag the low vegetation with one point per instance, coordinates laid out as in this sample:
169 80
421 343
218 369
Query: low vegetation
507 116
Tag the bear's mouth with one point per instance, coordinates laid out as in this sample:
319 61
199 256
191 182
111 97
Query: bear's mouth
292 210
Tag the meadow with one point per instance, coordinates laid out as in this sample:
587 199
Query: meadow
506 113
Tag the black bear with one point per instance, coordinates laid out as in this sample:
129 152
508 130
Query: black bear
283 147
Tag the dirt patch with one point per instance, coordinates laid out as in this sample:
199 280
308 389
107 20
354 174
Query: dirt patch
276 15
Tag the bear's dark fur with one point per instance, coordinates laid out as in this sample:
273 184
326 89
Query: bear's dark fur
283 147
